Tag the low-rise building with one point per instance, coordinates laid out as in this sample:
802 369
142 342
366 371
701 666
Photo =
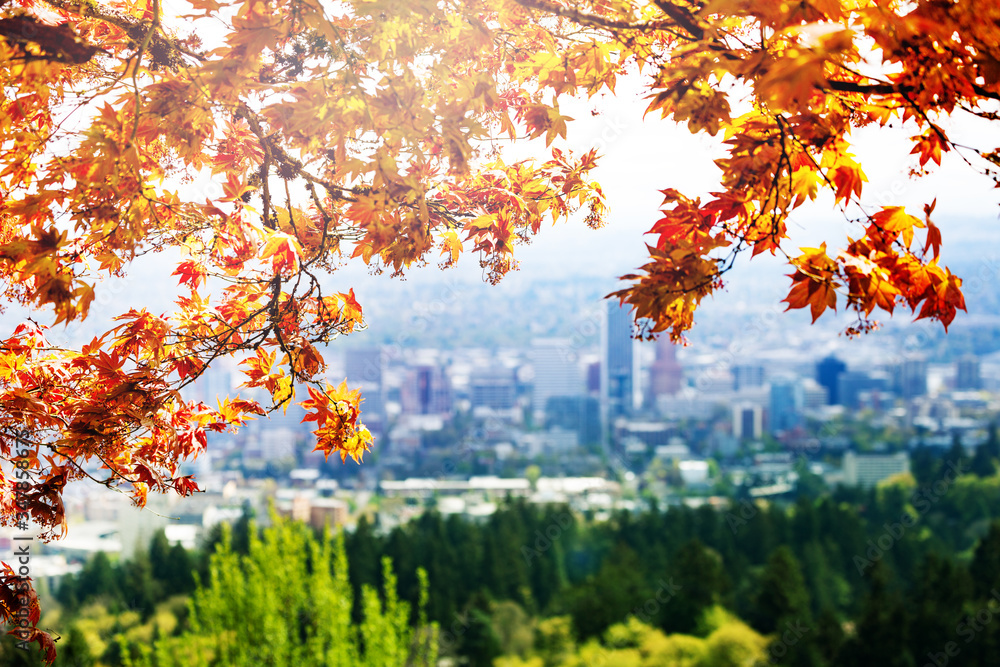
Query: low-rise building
869 469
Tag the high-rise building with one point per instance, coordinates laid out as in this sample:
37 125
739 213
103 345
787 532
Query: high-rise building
786 405
493 388
910 378
556 371
365 366
747 375
814 395
426 391
828 373
364 369
968 376
618 376
665 375
594 378
748 421
851 385
580 414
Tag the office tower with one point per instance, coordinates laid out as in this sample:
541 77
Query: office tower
967 374
748 421
364 369
618 376
493 388
828 373
851 385
666 375
556 371
426 391
786 405
814 395
910 378
580 414
594 378
747 375
365 365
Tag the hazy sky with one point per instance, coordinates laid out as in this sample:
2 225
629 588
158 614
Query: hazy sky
643 156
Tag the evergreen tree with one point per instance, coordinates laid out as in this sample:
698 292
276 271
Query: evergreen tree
956 458
984 462
881 636
829 636
701 580
66 593
479 645
782 607
985 566
98 578
781 594
172 565
936 603
74 651
617 590
992 443
924 465
362 548
140 590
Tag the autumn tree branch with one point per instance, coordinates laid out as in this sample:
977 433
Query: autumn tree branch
595 20
164 49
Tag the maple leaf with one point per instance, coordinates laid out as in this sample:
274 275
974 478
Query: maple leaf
894 220
452 246
813 283
283 250
930 145
335 411
191 273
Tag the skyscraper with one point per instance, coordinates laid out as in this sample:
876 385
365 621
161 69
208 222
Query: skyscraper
786 405
617 361
828 373
426 390
852 385
748 421
364 368
556 371
910 378
748 375
493 388
968 376
666 375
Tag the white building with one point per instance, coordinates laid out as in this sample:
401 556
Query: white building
870 469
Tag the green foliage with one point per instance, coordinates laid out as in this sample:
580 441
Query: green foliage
543 587
782 594
554 640
734 645
513 628
984 462
636 644
700 574
292 589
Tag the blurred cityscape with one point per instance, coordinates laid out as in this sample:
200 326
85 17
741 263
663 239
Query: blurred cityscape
574 409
